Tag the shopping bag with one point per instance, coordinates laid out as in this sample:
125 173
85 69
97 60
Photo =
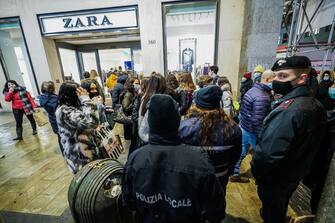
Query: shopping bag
40 117
110 143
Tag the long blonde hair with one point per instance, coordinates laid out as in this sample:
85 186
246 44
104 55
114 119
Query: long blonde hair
93 73
186 82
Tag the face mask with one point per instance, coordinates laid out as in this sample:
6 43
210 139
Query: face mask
137 87
93 94
244 79
269 85
257 77
282 87
326 78
331 92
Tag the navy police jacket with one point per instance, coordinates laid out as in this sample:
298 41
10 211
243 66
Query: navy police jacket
290 138
172 183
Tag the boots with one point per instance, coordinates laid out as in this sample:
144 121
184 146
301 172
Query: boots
18 133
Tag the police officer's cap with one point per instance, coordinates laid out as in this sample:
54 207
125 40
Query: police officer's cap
294 62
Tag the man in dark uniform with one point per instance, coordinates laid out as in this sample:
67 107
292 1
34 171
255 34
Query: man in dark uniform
289 140
167 181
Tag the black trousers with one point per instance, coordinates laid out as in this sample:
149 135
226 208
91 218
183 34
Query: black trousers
18 115
275 199
127 131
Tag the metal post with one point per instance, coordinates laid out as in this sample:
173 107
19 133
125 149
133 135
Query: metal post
289 51
299 24
332 66
329 41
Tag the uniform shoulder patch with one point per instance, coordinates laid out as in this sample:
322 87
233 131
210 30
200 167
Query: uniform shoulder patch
286 104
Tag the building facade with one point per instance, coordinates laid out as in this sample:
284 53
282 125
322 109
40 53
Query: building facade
43 40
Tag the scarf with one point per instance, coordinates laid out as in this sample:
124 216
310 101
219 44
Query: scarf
27 106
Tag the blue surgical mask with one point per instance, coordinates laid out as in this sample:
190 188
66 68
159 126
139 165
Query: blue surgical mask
257 77
326 78
331 92
269 85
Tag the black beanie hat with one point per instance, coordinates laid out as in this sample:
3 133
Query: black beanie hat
208 97
163 116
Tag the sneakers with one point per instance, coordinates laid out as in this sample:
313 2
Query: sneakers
239 179
34 132
17 139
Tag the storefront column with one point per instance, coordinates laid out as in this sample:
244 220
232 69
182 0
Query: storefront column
262 40
230 40
53 61
150 19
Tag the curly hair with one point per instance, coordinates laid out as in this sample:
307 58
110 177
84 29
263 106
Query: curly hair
209 120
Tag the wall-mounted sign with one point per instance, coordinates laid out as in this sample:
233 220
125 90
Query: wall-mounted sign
84 21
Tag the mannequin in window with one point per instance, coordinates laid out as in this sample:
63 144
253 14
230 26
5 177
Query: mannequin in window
187 59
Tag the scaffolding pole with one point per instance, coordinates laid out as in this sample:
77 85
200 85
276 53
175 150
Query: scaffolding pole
296 33
289 48
325 58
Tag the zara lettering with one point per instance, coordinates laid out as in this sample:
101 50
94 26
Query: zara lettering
88 22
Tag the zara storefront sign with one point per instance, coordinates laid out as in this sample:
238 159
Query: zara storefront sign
84 21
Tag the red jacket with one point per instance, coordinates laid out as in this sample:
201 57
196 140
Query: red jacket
16 100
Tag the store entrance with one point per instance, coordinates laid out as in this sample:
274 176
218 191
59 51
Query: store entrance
76 59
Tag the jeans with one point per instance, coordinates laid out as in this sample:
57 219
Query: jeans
247 139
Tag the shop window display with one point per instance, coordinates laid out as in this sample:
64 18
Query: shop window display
190 35
14 56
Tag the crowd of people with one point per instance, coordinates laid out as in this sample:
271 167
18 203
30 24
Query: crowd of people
188 140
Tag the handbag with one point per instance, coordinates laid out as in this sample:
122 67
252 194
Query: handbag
40 117
120 117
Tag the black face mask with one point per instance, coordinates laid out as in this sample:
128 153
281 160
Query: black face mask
282 87
94 94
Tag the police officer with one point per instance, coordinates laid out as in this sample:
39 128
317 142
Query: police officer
288 142
167 181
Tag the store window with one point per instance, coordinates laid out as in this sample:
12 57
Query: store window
137 55
14 55
190 35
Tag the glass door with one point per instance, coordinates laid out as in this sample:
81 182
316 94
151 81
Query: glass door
69 64
89 62
111 59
